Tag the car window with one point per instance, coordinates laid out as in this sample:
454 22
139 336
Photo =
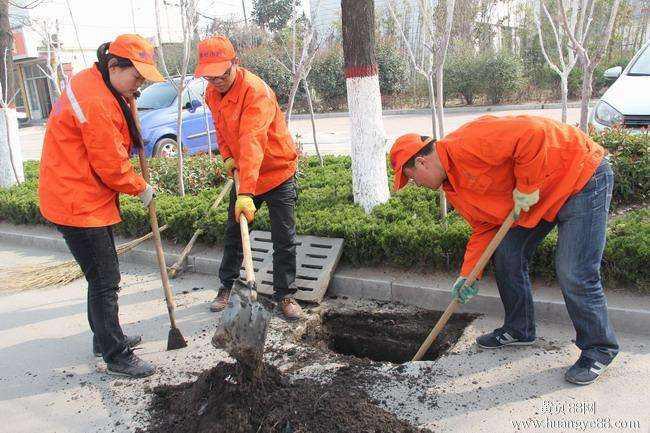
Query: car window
642 64
195 90
158 95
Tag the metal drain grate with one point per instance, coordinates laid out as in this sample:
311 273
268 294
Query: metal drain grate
316 260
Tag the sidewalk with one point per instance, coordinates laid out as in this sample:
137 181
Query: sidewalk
629 312
51 382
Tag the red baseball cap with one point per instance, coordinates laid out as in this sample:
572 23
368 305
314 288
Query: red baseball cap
215 57
404 148
140 52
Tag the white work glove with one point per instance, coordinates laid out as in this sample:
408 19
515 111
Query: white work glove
147 195
524 201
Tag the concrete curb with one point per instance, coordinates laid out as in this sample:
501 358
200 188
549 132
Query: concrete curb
451 110
631 320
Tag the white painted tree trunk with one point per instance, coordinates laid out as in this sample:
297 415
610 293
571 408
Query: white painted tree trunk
369 175
11 160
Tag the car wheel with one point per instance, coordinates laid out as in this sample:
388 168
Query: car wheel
166 148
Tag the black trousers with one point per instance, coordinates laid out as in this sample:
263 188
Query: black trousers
281 202
94 251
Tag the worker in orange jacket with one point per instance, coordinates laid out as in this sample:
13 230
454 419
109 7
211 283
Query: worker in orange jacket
254 140
84 167
553 175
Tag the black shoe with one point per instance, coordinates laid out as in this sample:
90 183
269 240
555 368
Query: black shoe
586 371
499 338
128 364
130 342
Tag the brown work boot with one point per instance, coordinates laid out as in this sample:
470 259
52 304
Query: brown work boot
290 309
221 301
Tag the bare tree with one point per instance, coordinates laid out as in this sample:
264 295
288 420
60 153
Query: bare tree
589 54
300 67
566 57
11 167
189 23
368 137
436 23
49 33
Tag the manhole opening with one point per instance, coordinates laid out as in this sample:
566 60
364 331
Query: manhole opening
390 337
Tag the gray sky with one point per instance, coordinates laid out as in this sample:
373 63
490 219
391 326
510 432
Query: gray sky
102 20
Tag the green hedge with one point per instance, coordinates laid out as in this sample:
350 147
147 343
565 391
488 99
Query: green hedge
403 232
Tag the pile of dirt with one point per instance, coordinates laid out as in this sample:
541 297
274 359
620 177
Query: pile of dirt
222 401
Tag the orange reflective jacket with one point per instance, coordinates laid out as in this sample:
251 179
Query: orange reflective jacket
251 129
489 157
85 161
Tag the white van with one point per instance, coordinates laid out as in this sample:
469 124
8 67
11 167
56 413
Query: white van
627 101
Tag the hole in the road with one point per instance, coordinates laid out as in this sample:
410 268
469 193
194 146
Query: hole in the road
389 337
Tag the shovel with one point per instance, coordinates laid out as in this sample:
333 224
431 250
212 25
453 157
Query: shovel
478 267
244 323
175 339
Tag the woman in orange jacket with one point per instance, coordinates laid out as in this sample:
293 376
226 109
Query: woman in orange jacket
84 167
553 175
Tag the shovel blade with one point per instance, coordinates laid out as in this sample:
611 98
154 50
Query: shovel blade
243 326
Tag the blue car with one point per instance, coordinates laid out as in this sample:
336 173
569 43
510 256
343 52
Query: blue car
158 112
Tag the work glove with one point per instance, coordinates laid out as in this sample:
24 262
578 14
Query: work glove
467 293
229 166
147 195
524 201
245 205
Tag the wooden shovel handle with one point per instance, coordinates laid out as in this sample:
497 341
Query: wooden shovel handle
245 238
478 267
153 218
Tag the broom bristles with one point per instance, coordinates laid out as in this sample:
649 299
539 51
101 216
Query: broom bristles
47 274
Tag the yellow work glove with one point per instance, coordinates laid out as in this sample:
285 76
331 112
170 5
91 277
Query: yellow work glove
229 166
524 201
245 205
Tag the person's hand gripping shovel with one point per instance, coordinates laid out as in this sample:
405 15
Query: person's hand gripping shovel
465 288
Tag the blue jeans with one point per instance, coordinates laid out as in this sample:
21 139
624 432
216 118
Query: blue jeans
582 223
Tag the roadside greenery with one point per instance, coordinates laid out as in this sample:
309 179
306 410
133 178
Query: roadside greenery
403 232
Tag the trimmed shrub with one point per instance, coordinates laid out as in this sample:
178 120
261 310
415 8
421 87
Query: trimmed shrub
463 77
327 76
393 70
501 75
405 231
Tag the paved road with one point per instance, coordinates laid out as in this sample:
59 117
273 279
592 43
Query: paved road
333 133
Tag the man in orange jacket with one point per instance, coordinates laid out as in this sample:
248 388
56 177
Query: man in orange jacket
255 141
553 175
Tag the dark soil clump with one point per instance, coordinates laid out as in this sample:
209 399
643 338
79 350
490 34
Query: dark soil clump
221 401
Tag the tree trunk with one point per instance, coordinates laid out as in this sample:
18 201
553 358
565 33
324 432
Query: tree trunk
432 105
440 102
587 77
564 83
11 161
292 94
369 176
313 122
6 57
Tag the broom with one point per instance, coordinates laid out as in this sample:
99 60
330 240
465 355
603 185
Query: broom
47 274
